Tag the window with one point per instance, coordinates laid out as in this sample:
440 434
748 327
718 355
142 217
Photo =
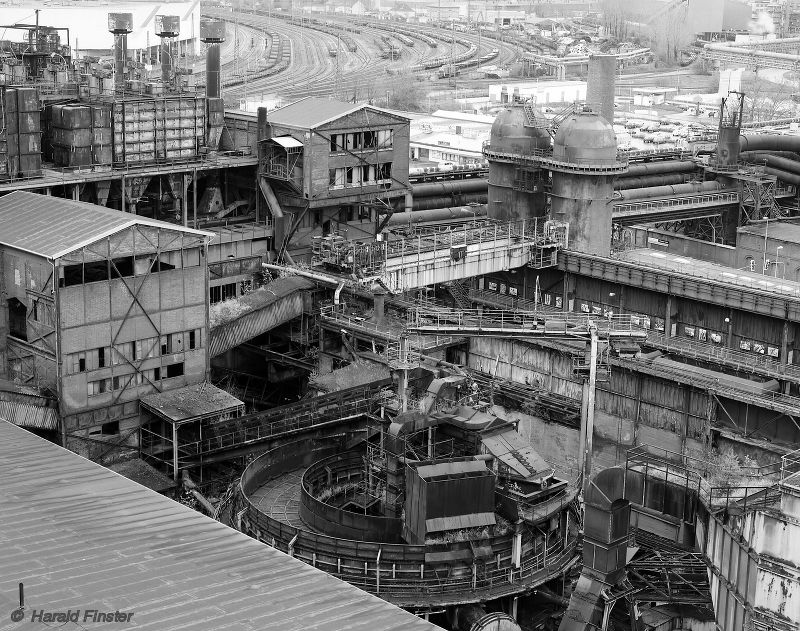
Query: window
192 340
175 370
222 292
81 363
36 311
348 176
101 357
156 374
166 344
110 428
335 142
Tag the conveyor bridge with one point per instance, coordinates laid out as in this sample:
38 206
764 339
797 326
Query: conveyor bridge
282 300
287 420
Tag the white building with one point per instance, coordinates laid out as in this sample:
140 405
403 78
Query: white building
542 92
446 136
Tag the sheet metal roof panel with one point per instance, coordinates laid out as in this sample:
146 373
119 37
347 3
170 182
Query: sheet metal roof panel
287 142
190 402
312 112
512 450
52 227
81 536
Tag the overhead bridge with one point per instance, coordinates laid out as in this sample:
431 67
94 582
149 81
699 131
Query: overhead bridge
429 255
277 303
766 54
674 208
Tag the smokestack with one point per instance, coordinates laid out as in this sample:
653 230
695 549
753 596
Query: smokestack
167 27
600 85
212 33
120 24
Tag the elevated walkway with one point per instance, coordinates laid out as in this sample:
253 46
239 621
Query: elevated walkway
287 420
434 256
674 208
277 303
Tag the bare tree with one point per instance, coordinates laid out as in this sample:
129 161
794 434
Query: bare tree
616 15
669 34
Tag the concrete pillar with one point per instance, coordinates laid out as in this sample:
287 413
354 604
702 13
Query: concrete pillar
3 322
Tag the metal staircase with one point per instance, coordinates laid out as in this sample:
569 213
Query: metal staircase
459 293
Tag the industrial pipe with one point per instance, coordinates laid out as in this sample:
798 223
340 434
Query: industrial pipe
774 161
450 187
649 181
667 166
463 213
769 142
785 176
428 203
667 191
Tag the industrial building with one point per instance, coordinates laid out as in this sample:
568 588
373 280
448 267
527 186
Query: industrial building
453 407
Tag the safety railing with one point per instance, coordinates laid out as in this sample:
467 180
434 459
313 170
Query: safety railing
338 314
55 176
738 360
720 275
688 201
536 156
694 474
790 470
535 323
728 387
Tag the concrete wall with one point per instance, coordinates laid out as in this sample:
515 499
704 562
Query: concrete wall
664 241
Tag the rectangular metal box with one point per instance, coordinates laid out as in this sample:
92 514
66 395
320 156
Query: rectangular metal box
168 25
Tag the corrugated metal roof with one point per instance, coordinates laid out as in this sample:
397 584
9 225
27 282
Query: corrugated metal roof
52 227
191 402
287 142
511 449
312 112
82 537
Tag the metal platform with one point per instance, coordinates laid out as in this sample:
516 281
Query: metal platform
671 209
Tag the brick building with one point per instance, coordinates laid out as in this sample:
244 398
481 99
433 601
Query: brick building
329 167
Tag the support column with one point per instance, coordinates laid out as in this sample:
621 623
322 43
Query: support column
194 198
784 358
175 452
668 317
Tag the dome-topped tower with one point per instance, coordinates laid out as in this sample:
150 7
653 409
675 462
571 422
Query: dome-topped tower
582 189
516 191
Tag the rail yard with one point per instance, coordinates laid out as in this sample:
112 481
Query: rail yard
471 316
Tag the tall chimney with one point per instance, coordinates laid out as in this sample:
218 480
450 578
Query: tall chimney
212 33
167 27
600 85
120 24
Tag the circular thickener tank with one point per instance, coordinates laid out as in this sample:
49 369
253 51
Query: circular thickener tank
512 194
584 138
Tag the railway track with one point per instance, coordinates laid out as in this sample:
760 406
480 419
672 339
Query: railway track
299 61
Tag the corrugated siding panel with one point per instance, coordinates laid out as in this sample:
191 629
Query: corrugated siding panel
254 323
27 415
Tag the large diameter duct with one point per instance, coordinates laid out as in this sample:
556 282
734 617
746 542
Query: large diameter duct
769 142
628 183
427 203
772 160
600 84
212 33
667 166
662 192
120 24
452 187
459 213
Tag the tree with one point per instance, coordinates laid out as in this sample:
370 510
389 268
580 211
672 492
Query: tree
616 15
